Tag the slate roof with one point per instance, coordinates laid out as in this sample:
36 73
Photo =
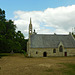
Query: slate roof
51 41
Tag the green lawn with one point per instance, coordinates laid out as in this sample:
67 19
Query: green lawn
69 70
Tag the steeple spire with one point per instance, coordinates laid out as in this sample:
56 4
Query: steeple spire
30 21
30 28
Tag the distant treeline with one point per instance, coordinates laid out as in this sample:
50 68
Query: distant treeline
10 40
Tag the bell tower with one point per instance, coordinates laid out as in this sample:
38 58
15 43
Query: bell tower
30 28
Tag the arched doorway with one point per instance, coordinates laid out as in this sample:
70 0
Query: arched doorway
65 53
45 54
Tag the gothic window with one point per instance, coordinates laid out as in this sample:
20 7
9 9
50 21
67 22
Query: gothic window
54 50
61 49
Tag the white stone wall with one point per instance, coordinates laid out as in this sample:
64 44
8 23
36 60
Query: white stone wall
49 51
40 52
71 52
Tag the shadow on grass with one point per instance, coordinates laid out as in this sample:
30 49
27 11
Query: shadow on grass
9 54
5 54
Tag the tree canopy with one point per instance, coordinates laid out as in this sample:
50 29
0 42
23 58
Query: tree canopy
9 38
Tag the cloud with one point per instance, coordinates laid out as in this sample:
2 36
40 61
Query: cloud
51 20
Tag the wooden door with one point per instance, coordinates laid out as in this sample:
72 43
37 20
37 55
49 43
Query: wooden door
65 53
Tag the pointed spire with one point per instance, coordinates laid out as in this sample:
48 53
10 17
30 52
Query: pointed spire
30 21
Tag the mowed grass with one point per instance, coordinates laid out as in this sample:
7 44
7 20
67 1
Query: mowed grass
69 70
10 54
17 64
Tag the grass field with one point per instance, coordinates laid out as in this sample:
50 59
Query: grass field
17 64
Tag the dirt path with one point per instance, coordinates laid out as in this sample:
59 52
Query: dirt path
16 65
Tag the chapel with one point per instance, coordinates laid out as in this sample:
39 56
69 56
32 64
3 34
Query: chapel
47 45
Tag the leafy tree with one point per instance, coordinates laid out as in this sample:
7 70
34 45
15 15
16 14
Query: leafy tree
2 15
19 35
20 38
10 40
10 29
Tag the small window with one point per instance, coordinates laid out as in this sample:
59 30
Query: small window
54 50
60 49
36 52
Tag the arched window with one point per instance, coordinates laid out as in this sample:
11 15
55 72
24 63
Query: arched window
61 49
54 50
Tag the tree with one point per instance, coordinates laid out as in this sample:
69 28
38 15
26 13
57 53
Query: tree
2 15
10 29
20 38
9 38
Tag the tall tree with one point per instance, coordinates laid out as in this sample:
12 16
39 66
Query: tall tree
20 38
2 15
10 29
9 38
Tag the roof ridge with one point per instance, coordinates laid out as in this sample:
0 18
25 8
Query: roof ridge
53 34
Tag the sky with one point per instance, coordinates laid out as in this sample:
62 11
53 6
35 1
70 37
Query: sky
48 16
